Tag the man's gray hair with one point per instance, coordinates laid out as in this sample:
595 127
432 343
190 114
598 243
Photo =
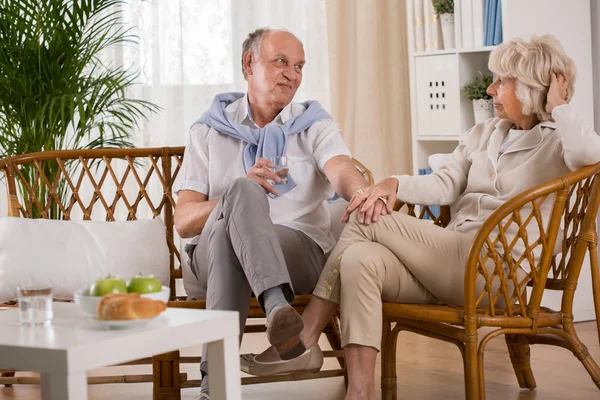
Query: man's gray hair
253 43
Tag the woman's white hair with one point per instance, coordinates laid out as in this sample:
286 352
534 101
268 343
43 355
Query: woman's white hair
531 64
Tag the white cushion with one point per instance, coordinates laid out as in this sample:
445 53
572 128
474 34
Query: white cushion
436 161
71 255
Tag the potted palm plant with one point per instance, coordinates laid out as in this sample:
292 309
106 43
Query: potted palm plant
55 90
445 9
476 90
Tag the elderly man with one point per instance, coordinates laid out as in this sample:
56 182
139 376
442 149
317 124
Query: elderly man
254 233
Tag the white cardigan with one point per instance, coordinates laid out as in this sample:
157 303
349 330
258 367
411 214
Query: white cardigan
475 182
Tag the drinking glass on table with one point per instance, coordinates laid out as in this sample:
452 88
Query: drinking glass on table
35 305
280 167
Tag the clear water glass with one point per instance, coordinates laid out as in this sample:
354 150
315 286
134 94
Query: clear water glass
280 167
35 305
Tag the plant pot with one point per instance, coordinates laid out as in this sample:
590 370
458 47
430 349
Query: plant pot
447 21
483 109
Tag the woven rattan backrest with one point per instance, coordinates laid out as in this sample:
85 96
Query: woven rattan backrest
102 184
425 212
527 232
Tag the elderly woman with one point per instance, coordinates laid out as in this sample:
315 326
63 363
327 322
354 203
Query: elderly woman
536 137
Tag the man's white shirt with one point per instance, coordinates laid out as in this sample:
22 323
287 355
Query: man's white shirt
213 160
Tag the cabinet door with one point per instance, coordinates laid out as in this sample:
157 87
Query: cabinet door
438 105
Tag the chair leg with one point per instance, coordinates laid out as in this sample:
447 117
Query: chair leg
520 354
165 369
595 284
389 386
475 389
581 351
334 337
10 374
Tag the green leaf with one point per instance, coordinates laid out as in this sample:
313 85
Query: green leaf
477 89
55 91
443 6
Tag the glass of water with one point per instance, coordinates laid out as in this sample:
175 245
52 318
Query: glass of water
280 167
35 305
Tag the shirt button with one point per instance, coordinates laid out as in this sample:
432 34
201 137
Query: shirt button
335 272
493 176
329 288
340 256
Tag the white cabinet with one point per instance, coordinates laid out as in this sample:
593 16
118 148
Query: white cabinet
440 114
438 95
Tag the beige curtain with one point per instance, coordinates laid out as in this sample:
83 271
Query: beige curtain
368 58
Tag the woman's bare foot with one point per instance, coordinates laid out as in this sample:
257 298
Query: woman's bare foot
269 355
361 393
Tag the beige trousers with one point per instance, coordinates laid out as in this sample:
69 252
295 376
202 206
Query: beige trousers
399 259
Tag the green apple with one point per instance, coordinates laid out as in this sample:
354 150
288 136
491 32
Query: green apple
108 284
144 284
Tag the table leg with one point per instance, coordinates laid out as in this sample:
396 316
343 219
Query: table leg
165 370
64 387
224 369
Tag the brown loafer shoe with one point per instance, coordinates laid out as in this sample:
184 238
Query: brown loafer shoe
284 326
310 361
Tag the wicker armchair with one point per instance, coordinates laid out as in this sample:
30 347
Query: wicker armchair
575 198
127 184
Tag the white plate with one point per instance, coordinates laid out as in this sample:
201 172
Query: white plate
125 324
90 303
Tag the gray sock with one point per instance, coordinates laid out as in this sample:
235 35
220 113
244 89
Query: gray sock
272 298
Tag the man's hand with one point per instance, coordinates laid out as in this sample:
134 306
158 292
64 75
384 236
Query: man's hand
373 201
260 172
557 94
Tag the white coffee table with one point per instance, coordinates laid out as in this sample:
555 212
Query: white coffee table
74 344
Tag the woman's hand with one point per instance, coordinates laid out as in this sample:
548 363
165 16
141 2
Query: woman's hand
373 201
557 94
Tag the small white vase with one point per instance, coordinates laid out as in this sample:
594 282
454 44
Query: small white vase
447 21
483 109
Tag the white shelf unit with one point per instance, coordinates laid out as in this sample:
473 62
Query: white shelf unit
439 113
437 130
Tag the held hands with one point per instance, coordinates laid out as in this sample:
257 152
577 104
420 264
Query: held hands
557 93
373 201
260 172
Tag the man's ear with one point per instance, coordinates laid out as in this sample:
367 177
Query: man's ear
248 62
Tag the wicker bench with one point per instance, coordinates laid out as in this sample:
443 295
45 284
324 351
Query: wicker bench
127 184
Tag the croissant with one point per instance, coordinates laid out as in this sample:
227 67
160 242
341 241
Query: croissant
127 306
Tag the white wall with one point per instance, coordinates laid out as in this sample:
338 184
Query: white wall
570 22
548 17
595 17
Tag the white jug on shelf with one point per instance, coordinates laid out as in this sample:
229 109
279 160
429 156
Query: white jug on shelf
447 21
